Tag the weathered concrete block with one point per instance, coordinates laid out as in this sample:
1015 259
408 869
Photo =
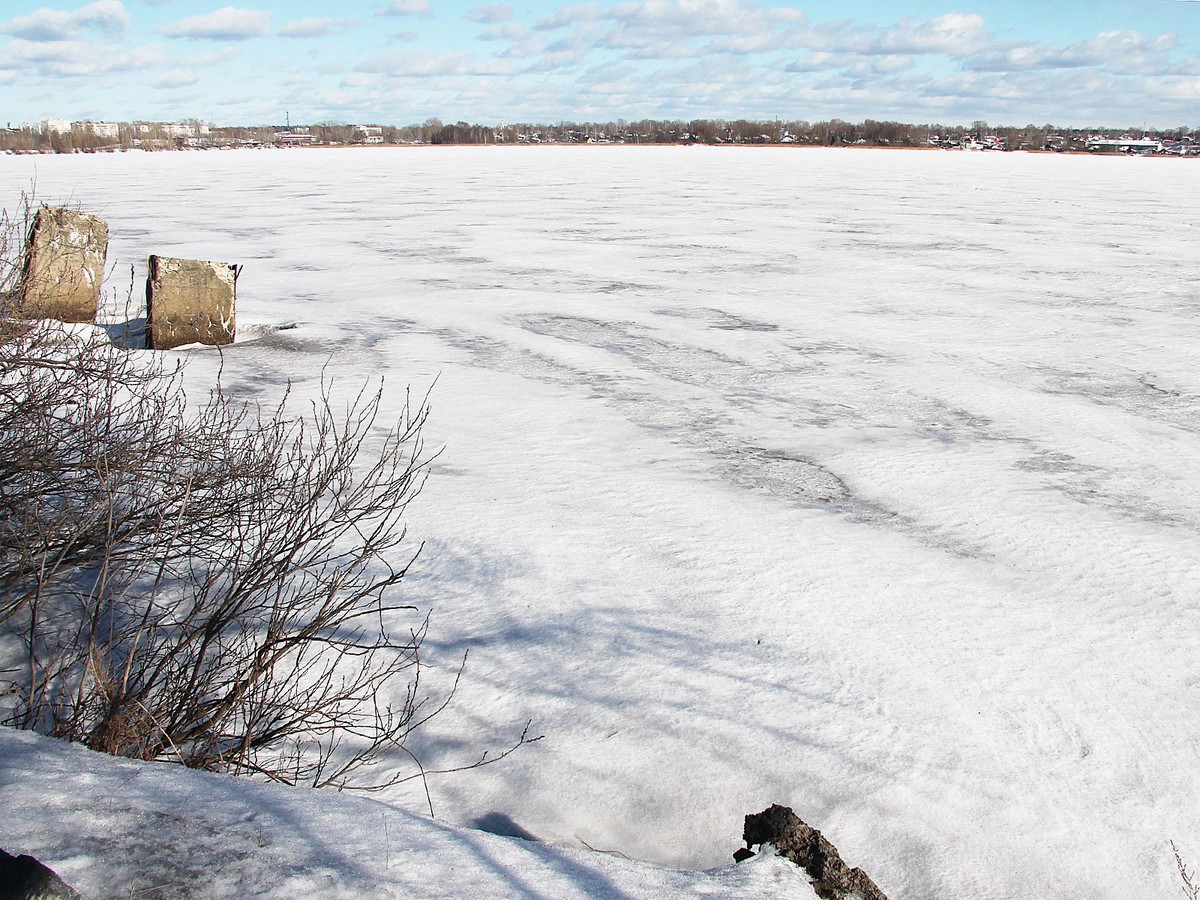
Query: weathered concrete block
64 265
190 301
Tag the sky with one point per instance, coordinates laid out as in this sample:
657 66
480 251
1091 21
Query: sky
1112 63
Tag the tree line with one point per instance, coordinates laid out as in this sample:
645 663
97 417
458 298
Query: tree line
82 137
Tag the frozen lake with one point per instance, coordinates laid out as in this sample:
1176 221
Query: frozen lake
863 482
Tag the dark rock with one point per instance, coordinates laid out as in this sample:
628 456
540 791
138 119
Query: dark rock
24 878
741 854
805 846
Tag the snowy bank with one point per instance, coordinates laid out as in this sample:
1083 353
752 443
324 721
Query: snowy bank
119 828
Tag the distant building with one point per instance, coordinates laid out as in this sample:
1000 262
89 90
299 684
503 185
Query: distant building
56 126
104 129
368 134
1124 145
293 138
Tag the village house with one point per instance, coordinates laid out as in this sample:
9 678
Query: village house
368 134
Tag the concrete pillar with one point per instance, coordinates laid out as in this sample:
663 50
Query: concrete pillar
64 266
189 301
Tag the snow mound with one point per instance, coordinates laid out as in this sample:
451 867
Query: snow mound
119 828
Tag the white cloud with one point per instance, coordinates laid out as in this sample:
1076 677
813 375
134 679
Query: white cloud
955 34
315 27
530 46
693 18
424 65
1119 50
510 31
21 52
176 78
767 41
74 59
569 15
1186 68
419 8
207 59
1175 88
818 61
632 58
882 66
360 79
490 14
560 55
877 69
675 29
861 53
107 16
229 23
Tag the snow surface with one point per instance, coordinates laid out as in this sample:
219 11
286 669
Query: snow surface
119 829
858 481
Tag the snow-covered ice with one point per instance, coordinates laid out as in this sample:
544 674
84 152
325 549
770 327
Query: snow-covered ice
858 481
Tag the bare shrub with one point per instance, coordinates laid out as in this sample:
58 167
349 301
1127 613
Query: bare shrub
210 584
14 226
1190 887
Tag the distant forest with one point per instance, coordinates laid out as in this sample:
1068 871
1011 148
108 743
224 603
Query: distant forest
89 136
